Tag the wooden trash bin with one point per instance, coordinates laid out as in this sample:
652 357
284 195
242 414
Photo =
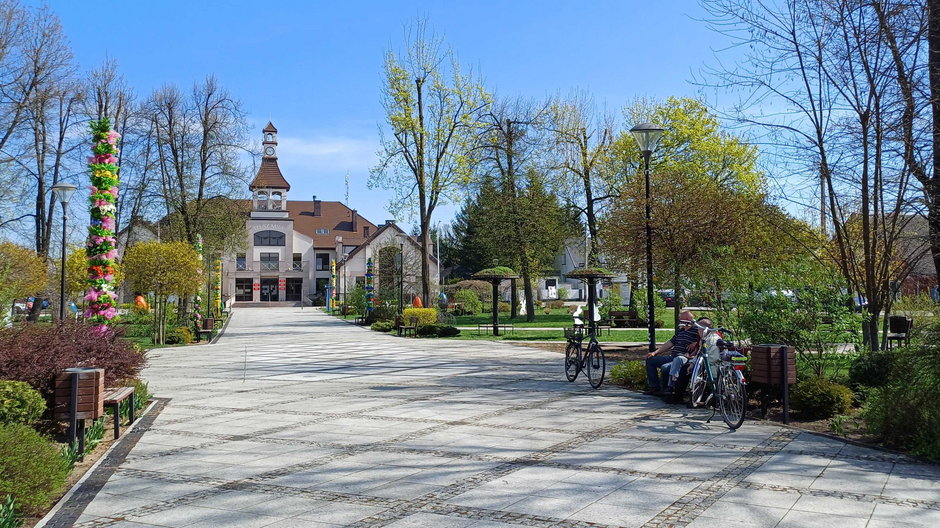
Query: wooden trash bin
79 396
767 367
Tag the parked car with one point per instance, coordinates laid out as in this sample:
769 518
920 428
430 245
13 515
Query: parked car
669 296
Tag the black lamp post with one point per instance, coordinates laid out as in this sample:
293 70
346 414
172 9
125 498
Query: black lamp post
401 274
647 137
63 193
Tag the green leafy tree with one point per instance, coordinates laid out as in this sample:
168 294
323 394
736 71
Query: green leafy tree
22 273
431 108
164 269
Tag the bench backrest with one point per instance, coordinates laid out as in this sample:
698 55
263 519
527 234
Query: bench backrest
899 324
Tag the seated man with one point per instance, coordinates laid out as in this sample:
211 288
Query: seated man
681 343
679 362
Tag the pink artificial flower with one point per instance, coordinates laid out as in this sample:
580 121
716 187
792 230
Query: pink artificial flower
107 223
92 295
89 313
111 254
92 159
113 137
93 189
109 277
109 314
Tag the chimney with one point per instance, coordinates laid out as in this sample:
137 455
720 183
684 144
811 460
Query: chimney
355 222
389 222
316 206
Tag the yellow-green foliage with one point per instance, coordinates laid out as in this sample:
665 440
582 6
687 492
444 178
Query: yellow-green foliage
817 398
20 403
165 268
426 316
22 272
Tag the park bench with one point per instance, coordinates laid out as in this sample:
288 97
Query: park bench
486 328
403 328
205 329
113 399
621 319
899 329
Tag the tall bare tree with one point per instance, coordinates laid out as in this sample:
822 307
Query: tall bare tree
583 137
431 107
845 115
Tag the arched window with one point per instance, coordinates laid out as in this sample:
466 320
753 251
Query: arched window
276 198
269 137
262 199
269 238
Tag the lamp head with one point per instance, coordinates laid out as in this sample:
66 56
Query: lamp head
63 192
647 136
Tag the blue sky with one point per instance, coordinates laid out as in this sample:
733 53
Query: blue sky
315 68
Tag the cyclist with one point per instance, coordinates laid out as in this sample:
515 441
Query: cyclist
685 340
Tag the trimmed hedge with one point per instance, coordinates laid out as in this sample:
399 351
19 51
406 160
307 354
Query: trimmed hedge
426 316
32 469
382 326
630 374
20 403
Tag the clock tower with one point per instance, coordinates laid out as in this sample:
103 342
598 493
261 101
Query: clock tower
269 144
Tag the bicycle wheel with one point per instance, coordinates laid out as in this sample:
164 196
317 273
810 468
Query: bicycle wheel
572 360
698 382
595 365
732 400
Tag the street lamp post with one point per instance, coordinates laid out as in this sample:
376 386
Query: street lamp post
647 137
401 274
344 294
63 193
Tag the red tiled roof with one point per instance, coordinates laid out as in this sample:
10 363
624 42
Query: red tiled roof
334 216
269 176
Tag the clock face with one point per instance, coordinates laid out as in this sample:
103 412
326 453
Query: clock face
269 151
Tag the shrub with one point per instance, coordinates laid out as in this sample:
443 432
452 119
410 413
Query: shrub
141 391
20 403
426 316
818 398
427 330
382 326
612 301
631 374
35 354
31 468
563 293
470 301
447 331
185 335
555 305
870 369
903 411
383 313
504 307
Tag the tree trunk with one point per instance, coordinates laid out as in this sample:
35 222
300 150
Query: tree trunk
932 191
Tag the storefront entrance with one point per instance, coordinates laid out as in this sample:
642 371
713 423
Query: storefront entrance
294 289
268 290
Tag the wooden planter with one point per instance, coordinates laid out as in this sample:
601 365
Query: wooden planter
767 364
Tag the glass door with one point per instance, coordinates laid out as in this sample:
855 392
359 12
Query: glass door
268 290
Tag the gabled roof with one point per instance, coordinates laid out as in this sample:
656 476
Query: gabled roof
270 128
382 228
269 176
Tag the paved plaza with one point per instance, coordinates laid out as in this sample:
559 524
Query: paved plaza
294 419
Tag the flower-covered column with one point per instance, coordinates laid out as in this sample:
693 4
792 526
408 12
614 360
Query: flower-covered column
370 286
218 287
102 244
197 299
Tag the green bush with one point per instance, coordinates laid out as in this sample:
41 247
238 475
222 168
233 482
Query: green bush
563 294
182 335
31 468
639 304
819 398
447 331
382 326
426 316
555 305
470 301
20 403
612 301
630 374
870 369
902 413
427 330
504 307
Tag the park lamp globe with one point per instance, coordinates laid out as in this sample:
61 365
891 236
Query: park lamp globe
647 136
63 193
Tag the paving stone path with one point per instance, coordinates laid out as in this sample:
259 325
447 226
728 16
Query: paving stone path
295 419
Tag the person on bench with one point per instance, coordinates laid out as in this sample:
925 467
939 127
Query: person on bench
675 369
681 343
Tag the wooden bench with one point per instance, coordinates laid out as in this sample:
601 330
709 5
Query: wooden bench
113 399
621 319
205 329
360 320
403 328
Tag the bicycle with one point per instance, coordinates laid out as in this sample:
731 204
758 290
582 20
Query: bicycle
725 380
590 360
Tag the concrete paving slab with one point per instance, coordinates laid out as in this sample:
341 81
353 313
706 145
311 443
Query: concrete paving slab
297 419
